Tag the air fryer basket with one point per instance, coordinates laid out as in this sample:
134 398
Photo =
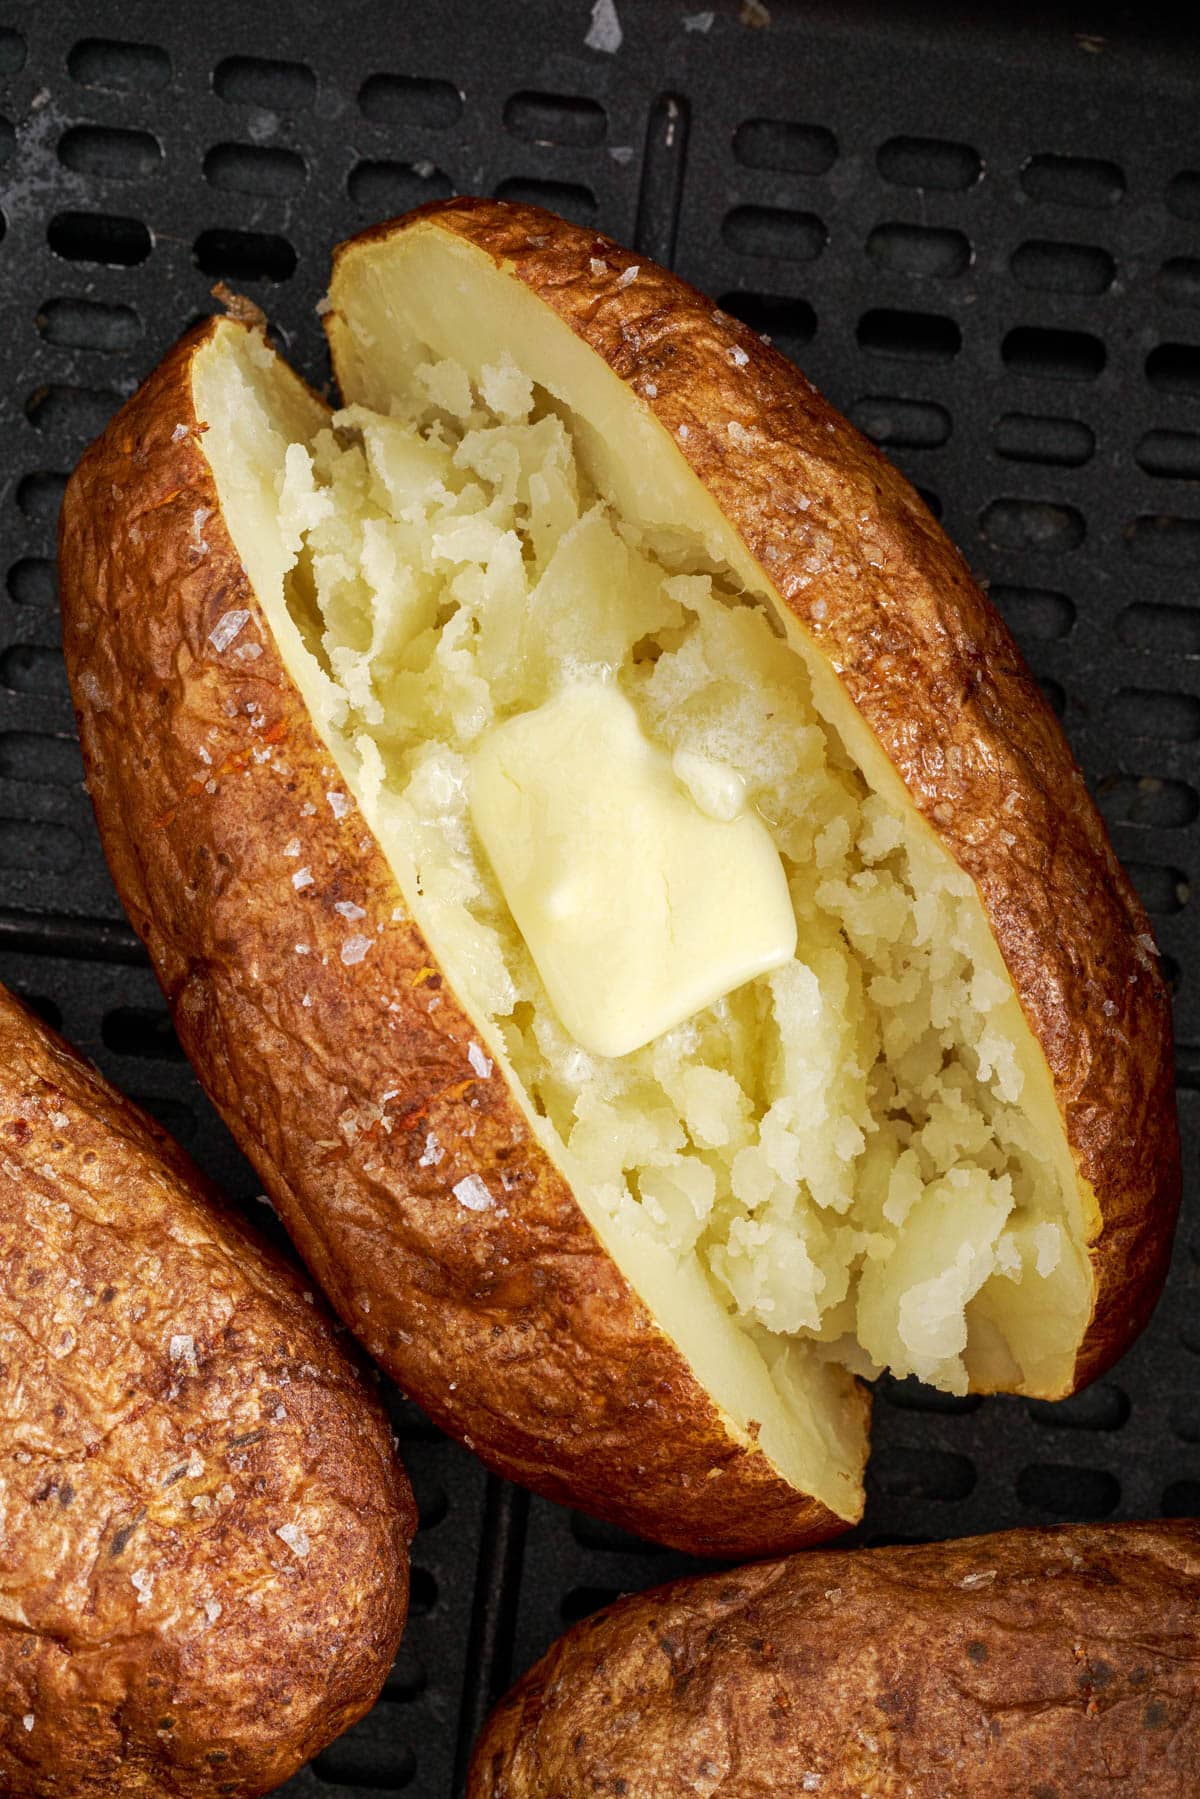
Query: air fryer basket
980 235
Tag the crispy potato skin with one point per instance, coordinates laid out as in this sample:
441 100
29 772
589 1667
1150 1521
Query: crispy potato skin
929 663
1053 1664
170 1401
512 1326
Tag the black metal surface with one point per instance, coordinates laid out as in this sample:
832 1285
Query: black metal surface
981 237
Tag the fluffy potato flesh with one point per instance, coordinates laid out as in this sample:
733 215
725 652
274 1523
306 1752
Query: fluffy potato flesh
853 1161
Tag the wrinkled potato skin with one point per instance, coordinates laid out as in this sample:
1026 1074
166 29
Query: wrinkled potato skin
1045 1664
512 1326
232 1659
935 673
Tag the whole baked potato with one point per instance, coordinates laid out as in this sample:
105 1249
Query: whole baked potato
1049 1664
204 1529
615 875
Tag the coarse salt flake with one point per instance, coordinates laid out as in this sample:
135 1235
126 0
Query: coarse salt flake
982 1578
681 431
348 909
738 356
597 266
472 1193
179 433
604 33
630 275
183 1349
354 949
292 847
303 877
28 1720
479 1062
143 1583
227 628
294 1537
212 1610
339 805
432 1154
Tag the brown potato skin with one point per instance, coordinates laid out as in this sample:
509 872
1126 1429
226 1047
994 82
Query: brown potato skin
118 1457
512 1327
934 671
1045 1664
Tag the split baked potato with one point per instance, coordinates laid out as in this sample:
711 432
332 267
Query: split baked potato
204 1530
616 877
1053 1664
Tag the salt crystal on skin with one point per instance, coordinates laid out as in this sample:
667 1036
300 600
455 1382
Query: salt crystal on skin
292 847
630 275
227 628
302 878
432 1153
354 949
472 1193
212 1610
28 1720
143 1583
183 1349
597 267
179 433
738 356
339 805
295 1539
479 1062
348 909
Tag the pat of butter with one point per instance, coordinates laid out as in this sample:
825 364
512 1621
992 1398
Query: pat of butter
638 908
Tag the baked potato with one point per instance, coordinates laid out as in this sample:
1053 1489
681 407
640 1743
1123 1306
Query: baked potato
1050 1664
204 1529
613 872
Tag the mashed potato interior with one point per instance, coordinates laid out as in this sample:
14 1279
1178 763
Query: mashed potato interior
841 1143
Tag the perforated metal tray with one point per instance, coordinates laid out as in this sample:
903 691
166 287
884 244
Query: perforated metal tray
981 238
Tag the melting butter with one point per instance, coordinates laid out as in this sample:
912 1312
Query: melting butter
639 905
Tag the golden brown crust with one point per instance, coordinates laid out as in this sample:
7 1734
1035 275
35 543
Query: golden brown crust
344 1076
1055 1664
172 1401
933 670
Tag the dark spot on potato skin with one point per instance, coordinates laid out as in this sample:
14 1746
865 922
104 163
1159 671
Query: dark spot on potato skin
121 1537
1155 1715
19 1130
977 1651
